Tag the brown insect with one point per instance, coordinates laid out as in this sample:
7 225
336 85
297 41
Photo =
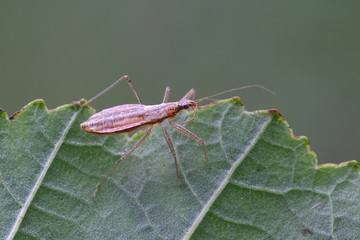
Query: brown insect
129 117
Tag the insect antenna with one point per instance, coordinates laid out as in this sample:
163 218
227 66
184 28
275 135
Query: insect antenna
235 89
220 93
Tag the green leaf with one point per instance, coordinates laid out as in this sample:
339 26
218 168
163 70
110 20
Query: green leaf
263 183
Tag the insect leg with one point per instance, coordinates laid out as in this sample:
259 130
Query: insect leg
190 119
123 157
166 95
133 88
190 94
172 149
191 135
113 85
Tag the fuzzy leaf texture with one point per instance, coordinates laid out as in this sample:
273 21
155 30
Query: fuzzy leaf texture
263 183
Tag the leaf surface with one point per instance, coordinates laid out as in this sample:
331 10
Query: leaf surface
263 183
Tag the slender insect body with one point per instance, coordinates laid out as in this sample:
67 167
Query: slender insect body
128 117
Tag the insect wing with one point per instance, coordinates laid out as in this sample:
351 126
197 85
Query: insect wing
117 119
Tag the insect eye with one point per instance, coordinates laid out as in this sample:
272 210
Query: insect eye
186 106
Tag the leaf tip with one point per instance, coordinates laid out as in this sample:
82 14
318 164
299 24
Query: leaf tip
234 100
3 113
275 112
81 102
38 103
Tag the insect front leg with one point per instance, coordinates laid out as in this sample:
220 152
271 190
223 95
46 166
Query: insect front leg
189 119
191 135
123 157
190 94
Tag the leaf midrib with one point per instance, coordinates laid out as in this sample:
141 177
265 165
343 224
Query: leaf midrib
41 177
226 180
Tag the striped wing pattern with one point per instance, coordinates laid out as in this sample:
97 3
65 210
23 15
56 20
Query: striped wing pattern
117 119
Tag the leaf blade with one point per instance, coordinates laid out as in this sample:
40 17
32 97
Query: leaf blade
31 184
259 173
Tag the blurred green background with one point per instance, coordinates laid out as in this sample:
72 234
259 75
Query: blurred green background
308 52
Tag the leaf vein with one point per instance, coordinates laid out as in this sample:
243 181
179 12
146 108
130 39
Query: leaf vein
226 180
40 178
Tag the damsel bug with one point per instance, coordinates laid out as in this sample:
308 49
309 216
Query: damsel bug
128 117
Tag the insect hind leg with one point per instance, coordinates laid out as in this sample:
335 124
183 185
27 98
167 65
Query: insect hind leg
125 77
133 88
122 158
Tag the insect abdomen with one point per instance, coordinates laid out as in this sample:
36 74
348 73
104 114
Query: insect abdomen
117 119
